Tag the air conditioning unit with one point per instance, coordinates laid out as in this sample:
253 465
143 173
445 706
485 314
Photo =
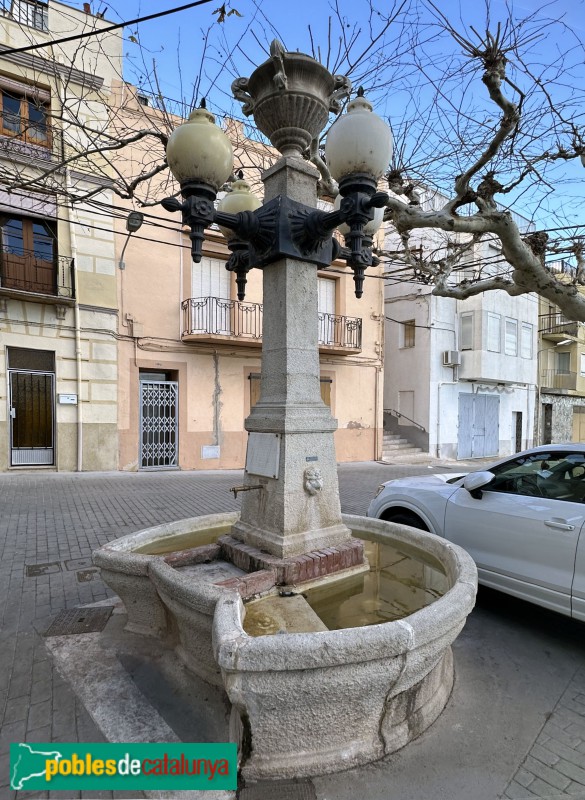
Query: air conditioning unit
451 358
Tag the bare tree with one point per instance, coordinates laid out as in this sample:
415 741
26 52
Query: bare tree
487 114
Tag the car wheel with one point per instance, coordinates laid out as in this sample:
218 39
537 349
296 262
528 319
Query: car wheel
404 518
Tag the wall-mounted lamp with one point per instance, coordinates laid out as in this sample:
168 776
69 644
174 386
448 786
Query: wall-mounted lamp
134 222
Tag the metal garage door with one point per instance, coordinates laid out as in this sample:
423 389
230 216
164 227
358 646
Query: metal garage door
479 426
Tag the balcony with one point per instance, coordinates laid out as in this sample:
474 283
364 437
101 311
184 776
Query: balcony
25 146
210 319
552 379
22 271
215 319
556 326
339 334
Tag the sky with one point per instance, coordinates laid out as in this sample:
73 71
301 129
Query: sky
175 44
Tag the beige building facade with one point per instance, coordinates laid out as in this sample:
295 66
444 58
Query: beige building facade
58 295
189 353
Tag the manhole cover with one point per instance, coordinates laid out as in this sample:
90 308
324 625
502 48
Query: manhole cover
79 620
78 563
85 575
35 570
269 790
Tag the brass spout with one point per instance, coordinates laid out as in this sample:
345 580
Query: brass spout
236 489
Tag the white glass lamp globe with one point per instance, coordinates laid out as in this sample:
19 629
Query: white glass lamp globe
358 141
370 227
241 198
200 151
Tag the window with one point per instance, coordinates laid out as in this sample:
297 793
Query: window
582 364
326 311
27 12
408 333
511 337
526 340
557 476
466 330
28 254
493 332
564 363
24 116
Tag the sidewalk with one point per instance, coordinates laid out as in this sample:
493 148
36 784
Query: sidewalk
514 727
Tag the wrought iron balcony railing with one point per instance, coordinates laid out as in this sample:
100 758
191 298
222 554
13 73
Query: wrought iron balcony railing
217 316
222 317
554 379
557 324
338 331
25 271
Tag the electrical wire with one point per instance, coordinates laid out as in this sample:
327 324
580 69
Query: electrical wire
107 29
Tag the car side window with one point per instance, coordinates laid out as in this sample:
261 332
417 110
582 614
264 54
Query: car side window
555 475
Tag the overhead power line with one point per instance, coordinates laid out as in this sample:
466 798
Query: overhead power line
107 29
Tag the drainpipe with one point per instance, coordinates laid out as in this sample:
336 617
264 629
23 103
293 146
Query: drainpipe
77 326
76 322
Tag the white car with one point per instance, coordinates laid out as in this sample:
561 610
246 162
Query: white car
522 520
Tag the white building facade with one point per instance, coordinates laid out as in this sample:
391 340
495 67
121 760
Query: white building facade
459 375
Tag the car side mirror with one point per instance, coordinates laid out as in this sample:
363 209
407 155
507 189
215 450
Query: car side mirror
476 481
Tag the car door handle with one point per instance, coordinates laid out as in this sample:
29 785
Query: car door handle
559 525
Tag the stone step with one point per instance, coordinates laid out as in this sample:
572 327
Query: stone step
401 452
395 440
396 445
408 458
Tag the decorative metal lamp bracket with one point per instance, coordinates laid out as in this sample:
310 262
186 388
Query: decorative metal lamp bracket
284 228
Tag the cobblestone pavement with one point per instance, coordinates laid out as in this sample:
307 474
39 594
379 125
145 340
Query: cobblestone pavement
49 525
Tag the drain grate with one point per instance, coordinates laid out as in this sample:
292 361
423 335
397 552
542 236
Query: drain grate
79 620
269 790
78 563
85 575
36 570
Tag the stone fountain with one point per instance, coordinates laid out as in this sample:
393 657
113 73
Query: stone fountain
306 697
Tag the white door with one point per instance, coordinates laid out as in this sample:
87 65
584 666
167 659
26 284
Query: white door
326 311
523 530
211 303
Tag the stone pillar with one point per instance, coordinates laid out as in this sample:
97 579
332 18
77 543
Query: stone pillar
291 452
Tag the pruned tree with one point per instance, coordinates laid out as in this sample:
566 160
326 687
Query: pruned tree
487 114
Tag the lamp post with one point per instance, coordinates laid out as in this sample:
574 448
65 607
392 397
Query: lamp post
291 506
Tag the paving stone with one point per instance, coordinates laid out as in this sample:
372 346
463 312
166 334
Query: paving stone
39 715
545 790
568 754
12 732
546 773
524 778
541 753
517 792
16 709
573 772
561 735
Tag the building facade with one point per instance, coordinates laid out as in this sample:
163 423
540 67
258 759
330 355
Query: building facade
460 375
189 352
561 371
58 296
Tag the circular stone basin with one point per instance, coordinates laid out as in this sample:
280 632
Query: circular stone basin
359 682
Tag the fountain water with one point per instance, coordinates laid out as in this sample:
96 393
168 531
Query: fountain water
350 675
